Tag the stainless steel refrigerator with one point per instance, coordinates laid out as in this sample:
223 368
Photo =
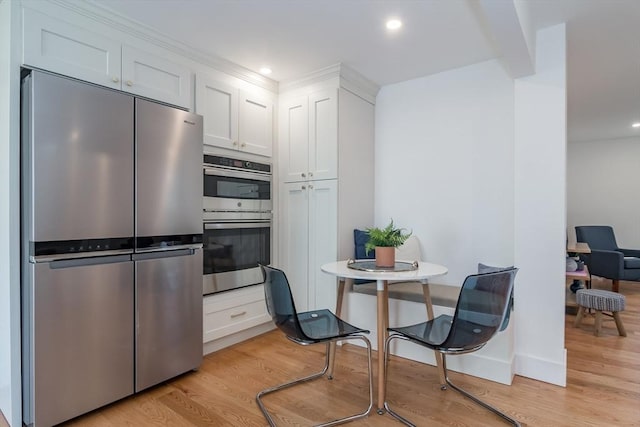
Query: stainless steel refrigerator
112 237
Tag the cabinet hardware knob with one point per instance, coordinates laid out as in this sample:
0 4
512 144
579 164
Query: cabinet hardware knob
311 187
115 79
129 83
304 175
234 315
235 143
303 187
244 144
310 174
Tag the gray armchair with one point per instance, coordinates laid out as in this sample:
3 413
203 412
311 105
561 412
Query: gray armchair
606 258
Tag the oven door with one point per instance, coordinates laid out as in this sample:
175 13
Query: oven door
231 253
232 190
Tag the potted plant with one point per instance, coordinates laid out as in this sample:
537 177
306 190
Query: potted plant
384 241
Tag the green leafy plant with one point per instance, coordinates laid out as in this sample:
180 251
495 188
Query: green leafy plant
389 236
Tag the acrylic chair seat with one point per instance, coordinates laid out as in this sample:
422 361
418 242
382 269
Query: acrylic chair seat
483 306
307 328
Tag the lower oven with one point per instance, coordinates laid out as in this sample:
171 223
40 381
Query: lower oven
233 245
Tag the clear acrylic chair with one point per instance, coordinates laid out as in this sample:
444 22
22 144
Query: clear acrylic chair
312 327
483 306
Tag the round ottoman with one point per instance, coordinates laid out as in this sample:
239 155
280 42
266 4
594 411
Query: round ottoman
600 300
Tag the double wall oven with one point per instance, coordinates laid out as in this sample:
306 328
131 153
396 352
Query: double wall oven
236 222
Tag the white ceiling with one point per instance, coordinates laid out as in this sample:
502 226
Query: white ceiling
295 37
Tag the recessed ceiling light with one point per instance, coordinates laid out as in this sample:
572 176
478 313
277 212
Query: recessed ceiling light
636 125
394 24
265 70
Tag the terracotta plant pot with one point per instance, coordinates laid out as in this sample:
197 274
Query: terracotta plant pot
385 256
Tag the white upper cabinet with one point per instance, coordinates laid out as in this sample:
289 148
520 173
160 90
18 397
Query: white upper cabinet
154 77
309 137
218 104
235 119
255 123
54 45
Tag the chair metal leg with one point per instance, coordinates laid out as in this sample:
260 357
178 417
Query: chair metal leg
318 375
448 382
387 351
474 398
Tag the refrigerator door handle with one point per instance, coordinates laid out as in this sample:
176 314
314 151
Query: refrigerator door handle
163 254
80 262
36 259
173 248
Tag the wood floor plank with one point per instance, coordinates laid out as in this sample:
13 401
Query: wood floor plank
603 386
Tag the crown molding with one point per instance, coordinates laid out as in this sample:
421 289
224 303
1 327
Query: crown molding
349 78
101 14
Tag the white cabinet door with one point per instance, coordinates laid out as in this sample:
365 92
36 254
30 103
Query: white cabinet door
294 250
323 244
255 124
217 102
156 78
323 135
57 46
294 140
309 137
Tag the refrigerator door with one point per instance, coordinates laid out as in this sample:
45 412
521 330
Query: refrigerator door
80 163
168 315
81 347
168 176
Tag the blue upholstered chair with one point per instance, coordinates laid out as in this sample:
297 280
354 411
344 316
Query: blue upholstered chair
311 327
606 258
482 308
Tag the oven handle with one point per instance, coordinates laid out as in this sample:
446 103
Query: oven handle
231 225
237 174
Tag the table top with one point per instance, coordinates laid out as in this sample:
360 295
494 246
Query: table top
424 271
578 248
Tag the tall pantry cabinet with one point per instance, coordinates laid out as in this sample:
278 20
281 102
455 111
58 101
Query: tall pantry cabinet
326 179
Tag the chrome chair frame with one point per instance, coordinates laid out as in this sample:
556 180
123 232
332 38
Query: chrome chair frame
328 342
455 351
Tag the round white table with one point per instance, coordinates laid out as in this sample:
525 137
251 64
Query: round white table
425 271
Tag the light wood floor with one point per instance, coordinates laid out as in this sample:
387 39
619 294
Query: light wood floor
603 389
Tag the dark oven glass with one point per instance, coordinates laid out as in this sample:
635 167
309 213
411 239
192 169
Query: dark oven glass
236 188
238 247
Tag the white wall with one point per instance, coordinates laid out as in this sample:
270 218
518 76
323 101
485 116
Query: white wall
10 394
540 211
444 165
474 163
602 187
444 169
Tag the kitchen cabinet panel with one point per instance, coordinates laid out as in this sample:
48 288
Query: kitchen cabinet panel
231 312
217 103
235 119
326 188
309 137
154 77
294 247
323 135
309 213
255 124
57 46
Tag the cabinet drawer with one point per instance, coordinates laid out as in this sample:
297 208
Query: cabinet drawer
230 315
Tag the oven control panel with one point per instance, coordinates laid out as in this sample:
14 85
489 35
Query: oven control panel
236 163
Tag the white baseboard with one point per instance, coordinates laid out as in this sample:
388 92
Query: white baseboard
542 370
229 340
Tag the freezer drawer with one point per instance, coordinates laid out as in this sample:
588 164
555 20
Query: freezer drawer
81 346
168 315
